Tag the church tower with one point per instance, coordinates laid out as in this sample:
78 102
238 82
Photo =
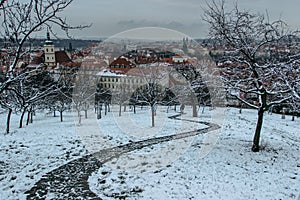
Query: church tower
49 52
185 45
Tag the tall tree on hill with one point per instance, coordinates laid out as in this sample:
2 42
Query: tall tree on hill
247 71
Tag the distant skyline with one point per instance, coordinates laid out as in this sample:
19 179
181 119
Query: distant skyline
110 17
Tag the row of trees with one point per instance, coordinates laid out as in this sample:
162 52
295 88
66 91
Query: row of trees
157 85
35 90
23 90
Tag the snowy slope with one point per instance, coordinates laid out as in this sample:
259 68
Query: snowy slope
216 165
28 153
229 171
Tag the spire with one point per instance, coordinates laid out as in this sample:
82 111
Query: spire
48 34
48 41
184 46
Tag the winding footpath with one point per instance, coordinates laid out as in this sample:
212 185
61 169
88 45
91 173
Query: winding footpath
70 181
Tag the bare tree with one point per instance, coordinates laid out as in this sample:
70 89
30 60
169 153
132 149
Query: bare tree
20 19
60 101
153 91
122 95
84 91
32 89
9 100
246 71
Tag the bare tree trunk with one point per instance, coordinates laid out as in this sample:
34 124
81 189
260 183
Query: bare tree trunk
79 117
283 114
98 111
8 120
100 114
31 115
255 146
203 109
195 114
120 110
28 118
61 115
86 114
152 116
22 117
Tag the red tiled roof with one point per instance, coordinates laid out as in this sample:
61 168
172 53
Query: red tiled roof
120 70
62 57
121 62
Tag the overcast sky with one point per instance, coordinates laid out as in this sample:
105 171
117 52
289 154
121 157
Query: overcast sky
110 17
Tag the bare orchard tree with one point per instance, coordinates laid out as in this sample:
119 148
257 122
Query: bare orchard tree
291 73
182 83
122 95
21 19
83 93
153 91
248 71
32 89
10 101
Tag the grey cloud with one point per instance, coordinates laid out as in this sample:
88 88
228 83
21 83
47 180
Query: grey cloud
146 23
196 29
135 23
114 16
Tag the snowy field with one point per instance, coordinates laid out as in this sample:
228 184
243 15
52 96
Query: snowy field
215 165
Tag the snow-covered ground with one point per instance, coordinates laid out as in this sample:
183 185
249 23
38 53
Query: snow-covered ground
28 153
216 165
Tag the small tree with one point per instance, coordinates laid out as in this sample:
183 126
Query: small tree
247 70
9 100
154 90
84 91
32 89
62 101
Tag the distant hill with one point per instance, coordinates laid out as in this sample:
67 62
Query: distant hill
60 43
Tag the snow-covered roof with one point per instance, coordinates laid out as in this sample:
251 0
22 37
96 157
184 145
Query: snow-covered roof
107 72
